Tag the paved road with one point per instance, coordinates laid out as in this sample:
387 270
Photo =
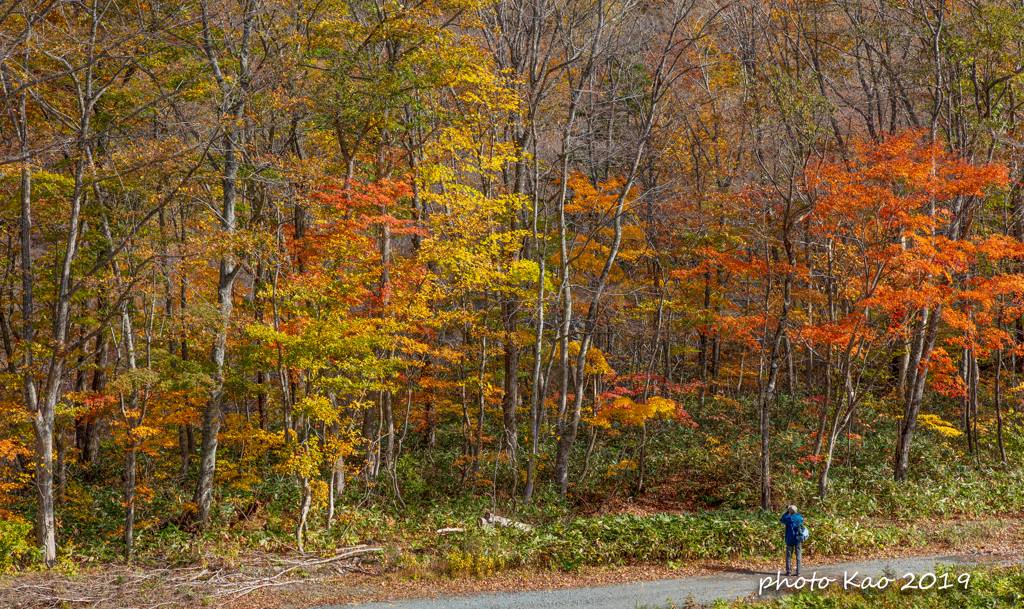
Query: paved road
704 589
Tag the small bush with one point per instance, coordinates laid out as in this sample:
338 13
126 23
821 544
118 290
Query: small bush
14 543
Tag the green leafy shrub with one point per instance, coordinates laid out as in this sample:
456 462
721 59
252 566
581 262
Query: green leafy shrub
720 535
13 542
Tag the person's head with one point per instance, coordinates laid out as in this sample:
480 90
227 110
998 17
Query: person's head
791 509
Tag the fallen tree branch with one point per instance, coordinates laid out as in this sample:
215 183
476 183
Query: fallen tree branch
490 520
119 586
266 585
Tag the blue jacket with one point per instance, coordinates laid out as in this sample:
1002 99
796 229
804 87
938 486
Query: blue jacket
793 523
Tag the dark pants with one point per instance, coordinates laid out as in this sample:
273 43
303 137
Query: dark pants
789 553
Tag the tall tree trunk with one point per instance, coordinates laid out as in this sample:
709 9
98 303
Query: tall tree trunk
999 406
262 401
768 390
372 441
225 284
429 411
186 437
233 103
703 354
386 399
43 411
823 417
481 403
972 392
82 425
537 385
60 437
568 430
917 373
510 399
129 498
305 501
184 452
99 386
790 368
840 419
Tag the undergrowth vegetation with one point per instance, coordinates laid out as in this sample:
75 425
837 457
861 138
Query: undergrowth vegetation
698 504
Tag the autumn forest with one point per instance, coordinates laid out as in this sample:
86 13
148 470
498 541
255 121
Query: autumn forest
341 266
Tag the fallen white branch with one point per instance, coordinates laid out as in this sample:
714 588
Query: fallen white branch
260 586
490 520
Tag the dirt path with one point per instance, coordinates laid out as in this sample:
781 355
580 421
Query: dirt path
738 583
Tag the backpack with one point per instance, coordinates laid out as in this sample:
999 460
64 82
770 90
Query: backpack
804 534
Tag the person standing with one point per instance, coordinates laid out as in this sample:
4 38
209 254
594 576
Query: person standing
794 522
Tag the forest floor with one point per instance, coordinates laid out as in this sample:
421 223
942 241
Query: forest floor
354 577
